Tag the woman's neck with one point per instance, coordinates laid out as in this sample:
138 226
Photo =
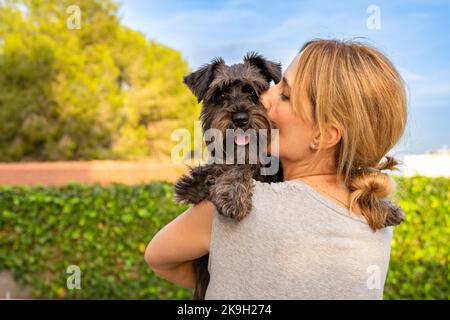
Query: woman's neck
322 177
320 173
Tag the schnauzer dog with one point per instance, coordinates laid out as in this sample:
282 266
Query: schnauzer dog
230 96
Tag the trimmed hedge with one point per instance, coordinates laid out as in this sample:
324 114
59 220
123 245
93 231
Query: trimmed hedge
419 266
104 230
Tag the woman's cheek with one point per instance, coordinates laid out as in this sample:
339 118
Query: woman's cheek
274 115
283 139
271 114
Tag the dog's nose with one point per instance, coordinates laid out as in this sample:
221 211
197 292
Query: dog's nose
240 118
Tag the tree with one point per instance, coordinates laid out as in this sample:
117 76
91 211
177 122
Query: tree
99 92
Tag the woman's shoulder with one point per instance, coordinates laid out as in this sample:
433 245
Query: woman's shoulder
297 195
272 195
279 188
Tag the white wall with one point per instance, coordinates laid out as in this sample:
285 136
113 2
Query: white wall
432 165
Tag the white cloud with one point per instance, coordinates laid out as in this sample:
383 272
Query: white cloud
426 90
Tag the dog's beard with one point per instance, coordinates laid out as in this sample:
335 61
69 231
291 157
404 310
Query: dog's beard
241 145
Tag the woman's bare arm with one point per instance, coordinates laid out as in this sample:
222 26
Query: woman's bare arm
171 251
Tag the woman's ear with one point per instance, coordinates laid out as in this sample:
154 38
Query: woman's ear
334 135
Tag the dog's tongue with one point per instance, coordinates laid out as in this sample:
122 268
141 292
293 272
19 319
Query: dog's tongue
242 139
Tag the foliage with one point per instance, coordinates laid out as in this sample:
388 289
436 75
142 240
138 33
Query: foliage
104 230
419 267
99 92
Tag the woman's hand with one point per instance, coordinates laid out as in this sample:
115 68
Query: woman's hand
171 251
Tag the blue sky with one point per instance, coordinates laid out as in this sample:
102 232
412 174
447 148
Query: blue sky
415 35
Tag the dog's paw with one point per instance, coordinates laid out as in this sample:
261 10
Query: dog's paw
395 215
187 190
233 200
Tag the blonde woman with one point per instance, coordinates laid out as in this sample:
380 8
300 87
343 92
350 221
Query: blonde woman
340 108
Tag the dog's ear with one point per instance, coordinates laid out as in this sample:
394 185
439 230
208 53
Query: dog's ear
199 81
270 70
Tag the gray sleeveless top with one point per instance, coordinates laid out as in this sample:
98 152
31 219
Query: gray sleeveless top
296 244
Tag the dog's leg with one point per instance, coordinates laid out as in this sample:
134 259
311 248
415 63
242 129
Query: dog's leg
194 187
232 192
202 282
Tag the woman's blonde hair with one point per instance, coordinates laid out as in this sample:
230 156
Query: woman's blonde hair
356 87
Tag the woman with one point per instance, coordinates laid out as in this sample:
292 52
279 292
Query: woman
340 108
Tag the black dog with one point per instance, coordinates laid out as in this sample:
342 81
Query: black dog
230 96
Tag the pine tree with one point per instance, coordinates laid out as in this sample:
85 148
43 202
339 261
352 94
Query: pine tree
102 91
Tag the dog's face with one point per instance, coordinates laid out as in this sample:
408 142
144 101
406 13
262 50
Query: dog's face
230 94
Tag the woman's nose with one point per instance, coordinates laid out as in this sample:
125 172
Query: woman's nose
264 98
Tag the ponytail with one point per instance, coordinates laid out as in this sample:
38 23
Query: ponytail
370 189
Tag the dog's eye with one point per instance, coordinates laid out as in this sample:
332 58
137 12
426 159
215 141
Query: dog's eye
249 89
219 96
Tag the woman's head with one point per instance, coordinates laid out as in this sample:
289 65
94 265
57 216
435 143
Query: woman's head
348 100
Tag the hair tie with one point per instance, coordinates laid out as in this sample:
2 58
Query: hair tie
360 170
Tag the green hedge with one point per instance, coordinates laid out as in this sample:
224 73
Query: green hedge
104 230
419 266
